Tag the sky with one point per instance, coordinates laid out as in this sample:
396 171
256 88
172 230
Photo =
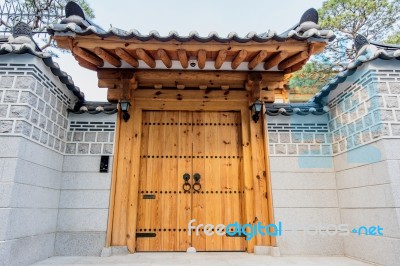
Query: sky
184 16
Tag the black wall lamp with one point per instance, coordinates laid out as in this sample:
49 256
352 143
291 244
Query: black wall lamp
256 110
124 107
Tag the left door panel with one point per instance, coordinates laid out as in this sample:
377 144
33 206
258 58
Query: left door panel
163 208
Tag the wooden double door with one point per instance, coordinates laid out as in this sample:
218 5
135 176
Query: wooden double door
178 144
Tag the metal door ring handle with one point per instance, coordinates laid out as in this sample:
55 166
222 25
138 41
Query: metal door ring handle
196 187
186 187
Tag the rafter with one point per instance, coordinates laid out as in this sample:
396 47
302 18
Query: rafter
291 61
106 56
220 58
257 59
162 54
183 58
127 57
275 60
88 56
143 55
240 57
201 58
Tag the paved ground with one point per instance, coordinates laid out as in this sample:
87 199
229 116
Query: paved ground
208 259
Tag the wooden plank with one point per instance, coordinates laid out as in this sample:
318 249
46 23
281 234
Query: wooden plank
201 58
292 60
133 156
106 56
247 181
162 54
183 58
127 57
275 60
257 59
143 55
88 56
113 182
220 59
239 58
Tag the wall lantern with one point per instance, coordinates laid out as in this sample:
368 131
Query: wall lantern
124 107
256 110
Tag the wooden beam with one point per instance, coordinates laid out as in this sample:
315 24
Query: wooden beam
143 55
291 61
183 58
201 58
88 56
192 95
239 59
90 42
83 63
127 57
275 60
220 59
257 59
106 56
162 54
202 87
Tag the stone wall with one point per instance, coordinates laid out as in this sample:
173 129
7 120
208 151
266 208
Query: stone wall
85 193
365 121
53 200
33 124
303 184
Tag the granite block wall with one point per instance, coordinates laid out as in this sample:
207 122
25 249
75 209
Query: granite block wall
53 200
303 184
33 124
85 193
364 122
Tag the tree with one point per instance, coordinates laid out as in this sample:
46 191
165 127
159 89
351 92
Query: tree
393 38
373 19
312 77
38 14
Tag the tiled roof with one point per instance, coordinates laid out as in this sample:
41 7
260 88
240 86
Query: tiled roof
366 52
95 108
295 109
76 23
23 44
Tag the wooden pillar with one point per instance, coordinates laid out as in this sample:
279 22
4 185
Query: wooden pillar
133 186
271 216
261 197
247 182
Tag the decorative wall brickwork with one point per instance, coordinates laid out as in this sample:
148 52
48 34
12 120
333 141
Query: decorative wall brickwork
32 106
93 135
366 110
296 139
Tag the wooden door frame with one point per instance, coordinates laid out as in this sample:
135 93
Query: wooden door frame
126 163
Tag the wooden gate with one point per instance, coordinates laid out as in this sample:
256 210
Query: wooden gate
205 146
